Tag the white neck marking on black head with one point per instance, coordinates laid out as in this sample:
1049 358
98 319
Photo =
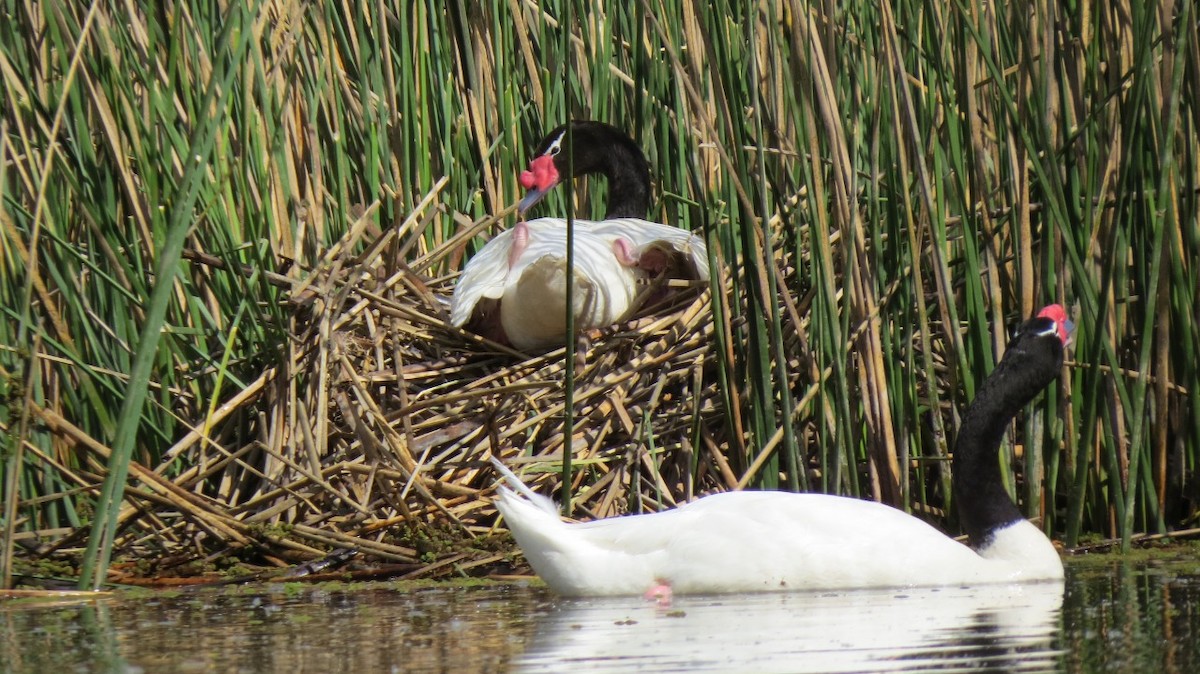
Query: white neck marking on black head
1052 330
556 145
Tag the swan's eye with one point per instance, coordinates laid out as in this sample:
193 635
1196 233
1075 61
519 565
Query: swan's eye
556 145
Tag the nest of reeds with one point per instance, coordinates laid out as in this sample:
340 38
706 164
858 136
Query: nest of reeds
378 428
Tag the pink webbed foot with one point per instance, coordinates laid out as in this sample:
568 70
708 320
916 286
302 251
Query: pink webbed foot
625 252
520 241
660 593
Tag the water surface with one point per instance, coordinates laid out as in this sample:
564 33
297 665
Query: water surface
1108 616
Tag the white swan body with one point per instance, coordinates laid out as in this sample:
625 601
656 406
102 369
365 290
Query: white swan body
764 541
524 271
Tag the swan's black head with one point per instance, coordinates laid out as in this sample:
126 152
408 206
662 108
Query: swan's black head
597 148
1037 348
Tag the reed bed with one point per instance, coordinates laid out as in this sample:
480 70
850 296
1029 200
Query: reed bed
228 232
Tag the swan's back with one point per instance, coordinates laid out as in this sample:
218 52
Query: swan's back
527 274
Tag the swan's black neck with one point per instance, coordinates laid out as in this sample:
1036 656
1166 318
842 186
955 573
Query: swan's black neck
1028 366
604 149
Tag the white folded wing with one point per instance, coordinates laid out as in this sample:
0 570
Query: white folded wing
524 271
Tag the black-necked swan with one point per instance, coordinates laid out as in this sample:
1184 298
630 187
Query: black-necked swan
514 289
751 541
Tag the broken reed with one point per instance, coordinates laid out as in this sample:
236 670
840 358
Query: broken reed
884 190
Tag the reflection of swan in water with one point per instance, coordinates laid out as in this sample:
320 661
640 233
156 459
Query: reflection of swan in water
997 627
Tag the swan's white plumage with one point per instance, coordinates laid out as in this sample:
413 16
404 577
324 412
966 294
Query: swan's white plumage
754 541
530 282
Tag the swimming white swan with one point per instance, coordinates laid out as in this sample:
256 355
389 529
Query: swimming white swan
765 541
514 289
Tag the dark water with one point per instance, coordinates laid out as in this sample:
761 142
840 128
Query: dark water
1108 617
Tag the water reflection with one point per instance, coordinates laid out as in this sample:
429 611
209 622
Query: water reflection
1008 627
1114 618
81 629
1125 618
275 628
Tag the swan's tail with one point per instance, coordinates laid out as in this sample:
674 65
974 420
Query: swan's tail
510 497
550 545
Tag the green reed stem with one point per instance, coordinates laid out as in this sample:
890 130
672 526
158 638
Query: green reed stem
236 33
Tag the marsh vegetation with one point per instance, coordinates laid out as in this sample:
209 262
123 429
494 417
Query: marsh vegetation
226 230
